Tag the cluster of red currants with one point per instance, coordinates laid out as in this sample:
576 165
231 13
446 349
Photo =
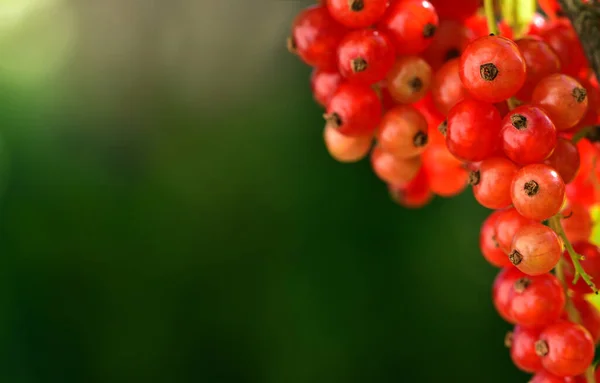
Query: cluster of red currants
447 105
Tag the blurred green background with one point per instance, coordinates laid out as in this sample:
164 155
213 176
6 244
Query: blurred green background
169 214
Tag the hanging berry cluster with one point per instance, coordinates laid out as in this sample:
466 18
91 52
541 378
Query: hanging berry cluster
439 103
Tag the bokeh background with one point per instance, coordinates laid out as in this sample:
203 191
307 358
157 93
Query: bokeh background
169 214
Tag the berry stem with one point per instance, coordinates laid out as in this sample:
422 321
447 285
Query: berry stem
581 134
555 224
569 307
491 17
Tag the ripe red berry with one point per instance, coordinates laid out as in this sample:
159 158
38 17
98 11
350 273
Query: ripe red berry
541 61
355 110
446 89
522 348
563 98
492 182
478 24
403 132
591 265
537 192
544 376
583 191
394 170
576 222
315 37
566 349
489 245
445 173
411 24
473 128
565 159
509 221
492 68
416 193
502 290
324 84
365 56
357 13
528 135
346 148
564 42
450 41
409 79
589 314
536 249
457 9
536 301
550 7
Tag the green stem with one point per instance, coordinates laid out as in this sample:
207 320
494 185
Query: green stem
491 16
582 133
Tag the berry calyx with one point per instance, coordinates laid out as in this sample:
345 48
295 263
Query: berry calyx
355 110
537 192
357 13
365 56
536 249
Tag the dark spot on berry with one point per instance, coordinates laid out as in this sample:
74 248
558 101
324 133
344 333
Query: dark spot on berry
291 45
443 127
492 35
416 84
541 348
420 139
522 284
531 188
452 54
515 258
518 121
579 94
488 71
495 241
474 177
358 65
429 30
334 119
356 5
508 339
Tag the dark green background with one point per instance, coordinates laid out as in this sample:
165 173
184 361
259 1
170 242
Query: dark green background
151 237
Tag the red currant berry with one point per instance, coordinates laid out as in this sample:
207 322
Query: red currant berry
411 24
357 13
563 98
541 61
450 41
566 349
355 110
583 191
550 7
492 182
536 249
522 349
577 222
415 194
502 290
537 25
536 300
457 9
324 84
446 175
544 376
315 37
565 159
589 314
590 263
508 223
492 68
409 79
489 245
365 56
564 41
528 135
473 128
394 170
403 132
478 24
345 148
537 192
447 89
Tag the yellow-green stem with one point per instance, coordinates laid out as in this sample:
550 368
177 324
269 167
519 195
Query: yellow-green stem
491 16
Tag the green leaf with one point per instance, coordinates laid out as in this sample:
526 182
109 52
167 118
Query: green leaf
518 14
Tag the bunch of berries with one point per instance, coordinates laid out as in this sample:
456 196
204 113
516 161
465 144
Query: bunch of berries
439 103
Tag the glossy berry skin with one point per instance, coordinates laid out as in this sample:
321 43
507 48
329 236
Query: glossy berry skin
492 182
563 98
394 170
576 222
450 41
550 7
411 24
509 221
403 132
446 89
541 61
544 376
528 135
565 159
591 265
536 301
346 148
324 84
456 10
315 37
446 174
502 290
365 56
566 349
357 13
589 314
492 69
537 192
409 79
415 194
522 349
563 40
536 249
489 245
355 110
473 128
